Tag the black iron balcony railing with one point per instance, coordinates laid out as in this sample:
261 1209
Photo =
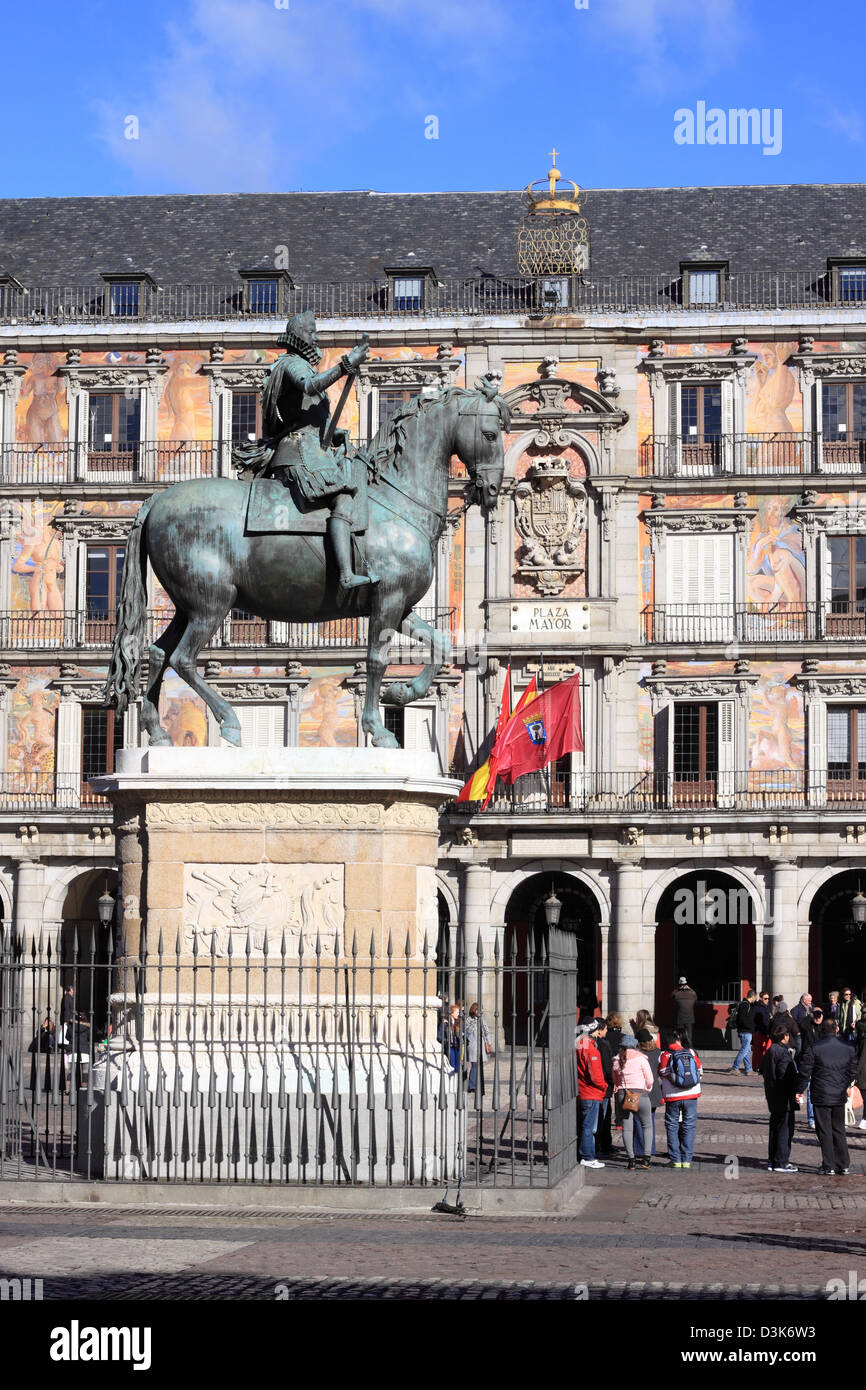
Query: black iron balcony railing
477 295
95 628
52 791
637 793
747 622
163 461
771 455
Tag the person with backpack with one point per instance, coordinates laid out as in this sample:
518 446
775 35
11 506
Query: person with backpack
743 1026
680 1071
780 1089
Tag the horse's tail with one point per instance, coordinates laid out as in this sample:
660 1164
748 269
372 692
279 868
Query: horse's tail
124 670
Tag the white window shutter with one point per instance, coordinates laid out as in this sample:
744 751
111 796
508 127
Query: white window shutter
826 573
818 717
262 726
418 729
726 751
674 441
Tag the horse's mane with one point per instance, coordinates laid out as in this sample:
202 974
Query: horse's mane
389 441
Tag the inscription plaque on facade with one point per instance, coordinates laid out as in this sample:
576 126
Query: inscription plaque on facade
550 617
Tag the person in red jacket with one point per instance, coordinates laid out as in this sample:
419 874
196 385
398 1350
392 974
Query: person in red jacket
591 1091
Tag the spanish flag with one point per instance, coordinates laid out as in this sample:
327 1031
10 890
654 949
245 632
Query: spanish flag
483 780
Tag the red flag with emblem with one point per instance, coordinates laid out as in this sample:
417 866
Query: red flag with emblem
544 730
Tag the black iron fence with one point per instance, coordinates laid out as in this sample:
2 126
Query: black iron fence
287 1062
753 622
476 295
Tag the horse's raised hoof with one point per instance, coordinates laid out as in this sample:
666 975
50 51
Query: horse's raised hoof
159 739
231 733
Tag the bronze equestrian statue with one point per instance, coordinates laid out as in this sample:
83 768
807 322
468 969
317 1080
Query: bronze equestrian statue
260 543
301 446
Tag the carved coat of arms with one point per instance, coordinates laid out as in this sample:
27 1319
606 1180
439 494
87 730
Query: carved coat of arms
550 515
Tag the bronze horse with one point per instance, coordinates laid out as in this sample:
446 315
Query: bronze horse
194 535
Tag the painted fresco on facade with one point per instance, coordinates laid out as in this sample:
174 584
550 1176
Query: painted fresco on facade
777 725
773 399
776 561
42 414
182 714
31 738
328 711
37 562
184 406
522 373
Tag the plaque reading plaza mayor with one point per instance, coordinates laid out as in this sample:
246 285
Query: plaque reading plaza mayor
568 617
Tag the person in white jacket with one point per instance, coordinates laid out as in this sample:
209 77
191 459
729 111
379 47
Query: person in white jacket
632 1072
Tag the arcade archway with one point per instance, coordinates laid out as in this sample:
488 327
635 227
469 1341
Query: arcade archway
87 946
704 931
526 940
837 946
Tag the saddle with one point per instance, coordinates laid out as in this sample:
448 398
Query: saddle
275 507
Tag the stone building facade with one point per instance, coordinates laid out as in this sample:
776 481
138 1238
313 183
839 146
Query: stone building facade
683 521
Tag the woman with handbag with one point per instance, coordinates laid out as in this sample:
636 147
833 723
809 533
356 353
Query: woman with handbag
632 1084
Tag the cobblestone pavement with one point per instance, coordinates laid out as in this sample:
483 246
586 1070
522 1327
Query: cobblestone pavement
726 1228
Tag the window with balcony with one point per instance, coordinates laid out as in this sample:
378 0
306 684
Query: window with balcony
701 427
843 425
700 751
390 399
700 590
246 417
394 719
114 432
103 573
846 752
247 629
101 739
846 611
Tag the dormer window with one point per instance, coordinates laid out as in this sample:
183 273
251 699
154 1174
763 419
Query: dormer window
266 291
852 283
703 282
126 293
9 288
409 288
554 293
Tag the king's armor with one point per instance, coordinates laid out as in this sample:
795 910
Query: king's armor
301 448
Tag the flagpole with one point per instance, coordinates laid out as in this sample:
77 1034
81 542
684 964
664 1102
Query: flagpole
545 770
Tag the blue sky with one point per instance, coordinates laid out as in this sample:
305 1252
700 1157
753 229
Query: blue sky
246 95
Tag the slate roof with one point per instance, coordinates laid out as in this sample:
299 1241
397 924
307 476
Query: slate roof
206 239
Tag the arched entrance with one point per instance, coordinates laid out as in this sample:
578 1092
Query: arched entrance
705 931
84 945
837 947
526 941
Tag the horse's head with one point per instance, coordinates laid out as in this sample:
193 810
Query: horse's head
481 418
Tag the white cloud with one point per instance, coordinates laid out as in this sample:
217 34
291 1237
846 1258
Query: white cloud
242 94
670 42
848 122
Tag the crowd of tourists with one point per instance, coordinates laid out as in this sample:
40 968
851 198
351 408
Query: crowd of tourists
811 1056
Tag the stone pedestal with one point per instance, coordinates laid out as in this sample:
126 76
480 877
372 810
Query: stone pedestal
274 1000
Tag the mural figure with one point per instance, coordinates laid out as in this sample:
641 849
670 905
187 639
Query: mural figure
780 745
39 560
45 392
774 391
776 566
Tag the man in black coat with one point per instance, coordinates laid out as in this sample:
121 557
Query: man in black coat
830 1067
780 1088
684 998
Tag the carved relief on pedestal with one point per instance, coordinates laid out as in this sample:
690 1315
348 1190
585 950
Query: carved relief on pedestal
237 902
550 514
